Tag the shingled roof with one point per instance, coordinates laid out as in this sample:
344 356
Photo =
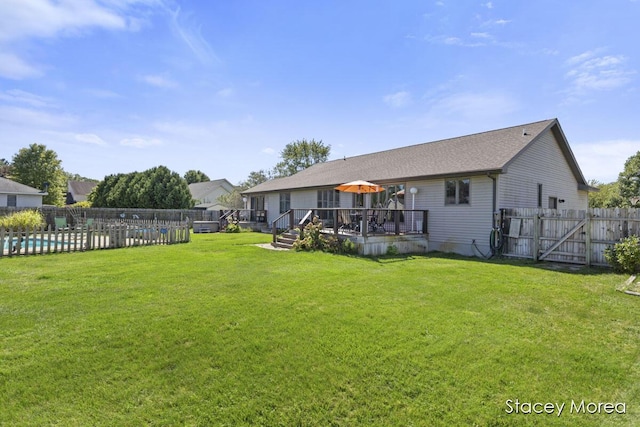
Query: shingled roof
202 189
8 186
81 188
486 152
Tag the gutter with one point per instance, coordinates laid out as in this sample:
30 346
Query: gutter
495 195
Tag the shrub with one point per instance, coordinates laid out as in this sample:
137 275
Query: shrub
392 250
82 204
312 239
232 228
624 256
348 247
22 220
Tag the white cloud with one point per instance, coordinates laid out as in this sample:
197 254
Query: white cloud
590 72
488 5
191 35
139 142
475 105
481 35
15 68
398 99
90 138
44 18
477 40
226 92
270 151
159 81
31 118
17 96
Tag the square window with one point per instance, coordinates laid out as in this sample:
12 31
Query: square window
457 192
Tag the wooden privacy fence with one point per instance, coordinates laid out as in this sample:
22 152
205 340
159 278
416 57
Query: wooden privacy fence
570 236
102 235
76 214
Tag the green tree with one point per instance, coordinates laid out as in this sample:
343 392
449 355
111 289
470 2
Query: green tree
299 155
76 177
156 188
167 190
607 196
254 178
195 176
629 181
39 167
5 168
233 200
100 193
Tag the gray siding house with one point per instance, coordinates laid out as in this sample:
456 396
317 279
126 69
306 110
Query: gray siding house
460 181
14 194
206 193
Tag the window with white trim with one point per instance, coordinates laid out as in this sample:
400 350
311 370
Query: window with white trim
285 202
457 191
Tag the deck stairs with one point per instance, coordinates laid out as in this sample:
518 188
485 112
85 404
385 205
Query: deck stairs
285 240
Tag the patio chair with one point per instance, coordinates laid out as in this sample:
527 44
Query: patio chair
376 220
61 223
344 219
85 224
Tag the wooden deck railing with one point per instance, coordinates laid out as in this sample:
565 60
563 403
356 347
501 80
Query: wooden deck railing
357 222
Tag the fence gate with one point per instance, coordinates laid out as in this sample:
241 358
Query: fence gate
569 236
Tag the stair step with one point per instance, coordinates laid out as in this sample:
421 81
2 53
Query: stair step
286 240
281 245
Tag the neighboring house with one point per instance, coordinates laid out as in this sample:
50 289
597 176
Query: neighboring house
14 194
78 191
460 181
206 193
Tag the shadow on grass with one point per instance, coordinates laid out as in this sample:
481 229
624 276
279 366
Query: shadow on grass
543 265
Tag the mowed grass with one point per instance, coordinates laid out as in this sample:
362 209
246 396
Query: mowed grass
222 332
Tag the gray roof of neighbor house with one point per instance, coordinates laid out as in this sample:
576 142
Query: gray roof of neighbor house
8 186
486 152
81 188
201 189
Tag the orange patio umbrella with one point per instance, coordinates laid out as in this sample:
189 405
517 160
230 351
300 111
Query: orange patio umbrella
360 187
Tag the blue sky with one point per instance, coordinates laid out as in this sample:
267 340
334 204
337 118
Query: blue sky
222 86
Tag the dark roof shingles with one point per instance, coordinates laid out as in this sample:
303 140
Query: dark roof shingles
486 151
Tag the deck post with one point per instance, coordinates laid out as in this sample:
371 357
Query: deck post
535 247
335 222
587 240
425 217
365 223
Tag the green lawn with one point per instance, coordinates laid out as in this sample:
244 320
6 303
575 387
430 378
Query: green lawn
222 332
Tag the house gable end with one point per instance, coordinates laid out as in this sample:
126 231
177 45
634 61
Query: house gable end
563 144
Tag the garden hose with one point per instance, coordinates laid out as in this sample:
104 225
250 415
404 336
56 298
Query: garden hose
496 241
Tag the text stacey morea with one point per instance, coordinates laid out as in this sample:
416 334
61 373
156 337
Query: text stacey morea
557 408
